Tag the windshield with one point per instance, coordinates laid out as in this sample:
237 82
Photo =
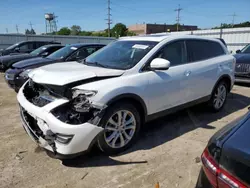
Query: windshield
12 46
121 54
246 49
62 53
38 51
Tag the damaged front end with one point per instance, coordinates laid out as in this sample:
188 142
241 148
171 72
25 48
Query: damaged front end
78 110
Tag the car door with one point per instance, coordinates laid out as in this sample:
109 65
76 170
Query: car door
202 68
166 88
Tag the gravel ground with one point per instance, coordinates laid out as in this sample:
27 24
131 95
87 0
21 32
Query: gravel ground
167 152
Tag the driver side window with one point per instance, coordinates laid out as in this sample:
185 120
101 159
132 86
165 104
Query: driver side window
174 52
82 53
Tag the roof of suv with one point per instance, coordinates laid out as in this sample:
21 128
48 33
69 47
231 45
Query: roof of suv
159 38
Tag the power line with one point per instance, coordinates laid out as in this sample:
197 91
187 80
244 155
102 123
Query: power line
31 25
109 18
17 28
233 15
178 10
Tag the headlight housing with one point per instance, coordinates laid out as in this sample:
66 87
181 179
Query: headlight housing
80 100
87 93
25 74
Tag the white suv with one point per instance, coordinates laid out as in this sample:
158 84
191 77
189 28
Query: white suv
107 98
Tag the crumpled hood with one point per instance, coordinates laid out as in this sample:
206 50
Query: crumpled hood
65 73
242 58
13 57
33 62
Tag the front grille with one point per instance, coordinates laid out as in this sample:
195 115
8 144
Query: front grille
242 68
31 124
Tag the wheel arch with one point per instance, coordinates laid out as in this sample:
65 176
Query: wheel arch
227 79
135 99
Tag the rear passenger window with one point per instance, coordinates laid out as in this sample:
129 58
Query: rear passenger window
39 44
174 52
199 50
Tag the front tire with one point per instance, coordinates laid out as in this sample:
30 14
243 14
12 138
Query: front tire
121 124
219 96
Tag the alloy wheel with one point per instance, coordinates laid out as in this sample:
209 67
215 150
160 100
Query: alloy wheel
220 96
120 129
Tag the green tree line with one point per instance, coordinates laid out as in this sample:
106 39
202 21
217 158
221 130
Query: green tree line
224 25
119 30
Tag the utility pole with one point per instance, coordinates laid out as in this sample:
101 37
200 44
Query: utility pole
178 10
109 18
7 31
233 15
17 28
31 25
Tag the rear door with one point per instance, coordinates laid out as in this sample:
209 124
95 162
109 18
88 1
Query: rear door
202 70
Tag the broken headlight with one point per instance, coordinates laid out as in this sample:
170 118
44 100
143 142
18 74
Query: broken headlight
80 100
25 74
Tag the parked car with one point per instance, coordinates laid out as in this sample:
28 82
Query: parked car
8 60
242 69
106 100
226 159
17 75
25 47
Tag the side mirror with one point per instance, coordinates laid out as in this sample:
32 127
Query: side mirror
44 54
238 51
159 64
17 49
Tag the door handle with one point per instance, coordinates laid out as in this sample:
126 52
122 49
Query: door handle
187 73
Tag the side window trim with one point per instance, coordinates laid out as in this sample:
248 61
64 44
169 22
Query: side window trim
191 55
145 66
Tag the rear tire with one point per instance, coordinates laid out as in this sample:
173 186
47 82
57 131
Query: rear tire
121 123
219 96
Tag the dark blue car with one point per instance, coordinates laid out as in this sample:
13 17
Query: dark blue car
17 75
226 159
242 67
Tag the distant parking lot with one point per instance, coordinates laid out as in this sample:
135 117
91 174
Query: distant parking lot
167 152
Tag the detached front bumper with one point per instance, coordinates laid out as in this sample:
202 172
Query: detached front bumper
46 130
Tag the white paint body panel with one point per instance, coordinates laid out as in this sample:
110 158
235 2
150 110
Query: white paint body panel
159 90
64 73
83 134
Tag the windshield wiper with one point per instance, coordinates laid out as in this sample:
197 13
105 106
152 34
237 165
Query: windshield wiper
96 64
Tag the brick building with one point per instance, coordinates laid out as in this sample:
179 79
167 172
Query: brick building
158 28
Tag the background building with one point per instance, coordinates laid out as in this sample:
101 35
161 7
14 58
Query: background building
158 28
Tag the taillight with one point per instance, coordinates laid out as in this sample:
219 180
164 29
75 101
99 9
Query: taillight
217 176
210 167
